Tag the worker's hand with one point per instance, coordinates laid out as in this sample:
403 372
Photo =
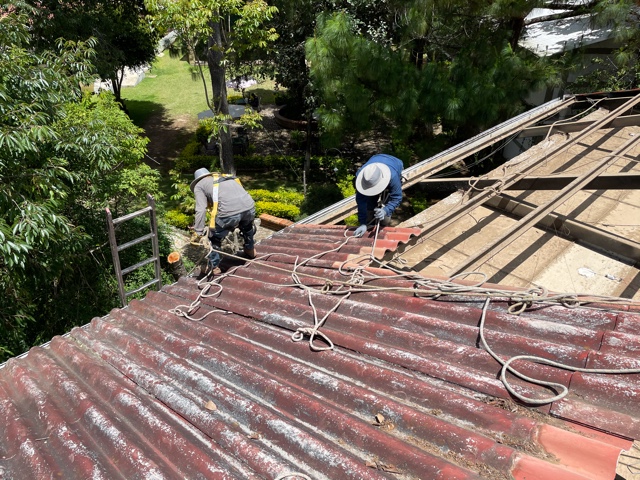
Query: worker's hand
379 213
360 231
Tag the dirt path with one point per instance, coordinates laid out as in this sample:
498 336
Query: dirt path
167 137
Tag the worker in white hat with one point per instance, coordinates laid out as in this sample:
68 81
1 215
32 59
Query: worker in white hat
378 190
230 206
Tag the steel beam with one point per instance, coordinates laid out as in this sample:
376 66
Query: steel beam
585 234
570 127
540 212
614 181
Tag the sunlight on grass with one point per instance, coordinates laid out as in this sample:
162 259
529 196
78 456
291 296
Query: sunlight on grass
170 85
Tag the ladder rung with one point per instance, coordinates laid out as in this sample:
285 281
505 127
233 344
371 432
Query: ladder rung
135 242
129 216
146 285
138 265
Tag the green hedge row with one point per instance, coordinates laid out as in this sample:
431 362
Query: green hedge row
282 210
279 196
178 219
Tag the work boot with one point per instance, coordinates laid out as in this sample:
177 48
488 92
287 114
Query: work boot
250 252
208 270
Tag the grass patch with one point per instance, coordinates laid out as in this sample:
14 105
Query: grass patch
171 85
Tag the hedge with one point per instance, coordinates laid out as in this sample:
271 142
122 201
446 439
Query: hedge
279 196
290 212
178 219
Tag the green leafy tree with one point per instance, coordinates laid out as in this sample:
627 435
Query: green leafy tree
457 64
124 36
228 30
63 158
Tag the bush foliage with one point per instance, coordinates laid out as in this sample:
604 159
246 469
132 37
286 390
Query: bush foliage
279 196
282 210
64 158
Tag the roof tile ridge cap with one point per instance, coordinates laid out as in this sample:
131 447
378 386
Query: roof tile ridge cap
319 226
411 230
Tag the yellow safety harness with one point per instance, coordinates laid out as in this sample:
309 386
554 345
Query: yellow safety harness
213 211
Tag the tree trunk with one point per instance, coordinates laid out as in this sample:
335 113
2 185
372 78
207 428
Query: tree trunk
217 70
517 27
307 154
417 53
116 84
176 267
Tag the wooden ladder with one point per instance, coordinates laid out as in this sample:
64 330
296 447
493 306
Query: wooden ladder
116 249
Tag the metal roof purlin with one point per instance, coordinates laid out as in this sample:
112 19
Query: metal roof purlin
500 184
538 213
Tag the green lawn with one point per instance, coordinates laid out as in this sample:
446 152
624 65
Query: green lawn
170 86
167 85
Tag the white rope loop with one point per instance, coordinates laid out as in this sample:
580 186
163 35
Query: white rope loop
294 476
357 282
506 366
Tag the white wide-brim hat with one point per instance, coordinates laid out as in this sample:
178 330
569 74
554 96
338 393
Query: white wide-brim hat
373 179
199 175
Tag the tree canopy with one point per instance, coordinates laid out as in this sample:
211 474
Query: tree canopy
418 63
228 30
64 156
124 37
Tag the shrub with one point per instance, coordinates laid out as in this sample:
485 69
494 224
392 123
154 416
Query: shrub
279 196
420 201
203 132
178 219
319 197
190 149
191 158
352 220
347 186
191 163
268 162
280 98
282 210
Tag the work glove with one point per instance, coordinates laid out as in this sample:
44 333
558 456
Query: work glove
379 213
360 231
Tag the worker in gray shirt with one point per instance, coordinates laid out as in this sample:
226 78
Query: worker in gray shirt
230 207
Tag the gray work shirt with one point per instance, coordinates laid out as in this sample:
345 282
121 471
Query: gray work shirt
232 199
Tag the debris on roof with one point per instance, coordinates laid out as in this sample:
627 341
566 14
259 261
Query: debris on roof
217 379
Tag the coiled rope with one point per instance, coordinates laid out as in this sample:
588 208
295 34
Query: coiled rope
423 287
506 367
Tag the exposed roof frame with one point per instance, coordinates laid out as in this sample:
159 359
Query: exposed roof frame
610 181
592 237
540 212
432 165
479 198
570 127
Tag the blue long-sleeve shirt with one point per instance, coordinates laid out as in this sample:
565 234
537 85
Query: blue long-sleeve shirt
368 203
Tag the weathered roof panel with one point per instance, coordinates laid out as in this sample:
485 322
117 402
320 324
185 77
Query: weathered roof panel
408 391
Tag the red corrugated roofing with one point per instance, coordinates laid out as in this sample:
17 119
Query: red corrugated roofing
408 391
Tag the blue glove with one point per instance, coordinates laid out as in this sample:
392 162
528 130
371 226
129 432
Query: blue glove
360 231
379 213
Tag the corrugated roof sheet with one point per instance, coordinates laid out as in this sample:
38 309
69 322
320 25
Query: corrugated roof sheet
406 393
